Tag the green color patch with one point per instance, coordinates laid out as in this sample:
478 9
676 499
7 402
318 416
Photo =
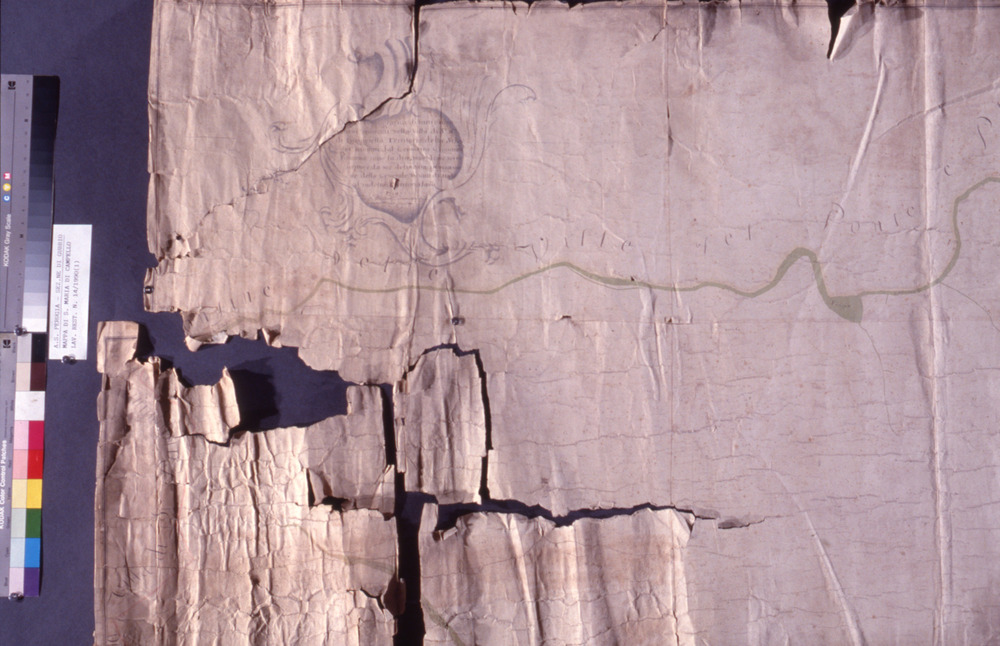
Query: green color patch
33 523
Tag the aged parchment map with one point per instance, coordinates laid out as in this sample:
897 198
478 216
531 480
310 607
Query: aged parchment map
662 259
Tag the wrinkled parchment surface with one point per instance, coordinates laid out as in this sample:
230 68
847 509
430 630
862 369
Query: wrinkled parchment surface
703 266
507 579
206 543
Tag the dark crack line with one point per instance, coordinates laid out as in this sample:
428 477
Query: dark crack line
448 515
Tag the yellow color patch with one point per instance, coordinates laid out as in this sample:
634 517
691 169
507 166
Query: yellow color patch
34 494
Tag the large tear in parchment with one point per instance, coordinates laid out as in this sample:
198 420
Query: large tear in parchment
202 542
703 266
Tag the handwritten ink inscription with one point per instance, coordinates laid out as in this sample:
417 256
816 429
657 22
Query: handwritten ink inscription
396 162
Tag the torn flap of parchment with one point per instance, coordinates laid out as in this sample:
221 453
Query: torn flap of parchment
500 578
202 410
440 424
346 455
203 542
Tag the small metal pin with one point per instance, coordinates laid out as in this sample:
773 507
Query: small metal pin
68 359
148 289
